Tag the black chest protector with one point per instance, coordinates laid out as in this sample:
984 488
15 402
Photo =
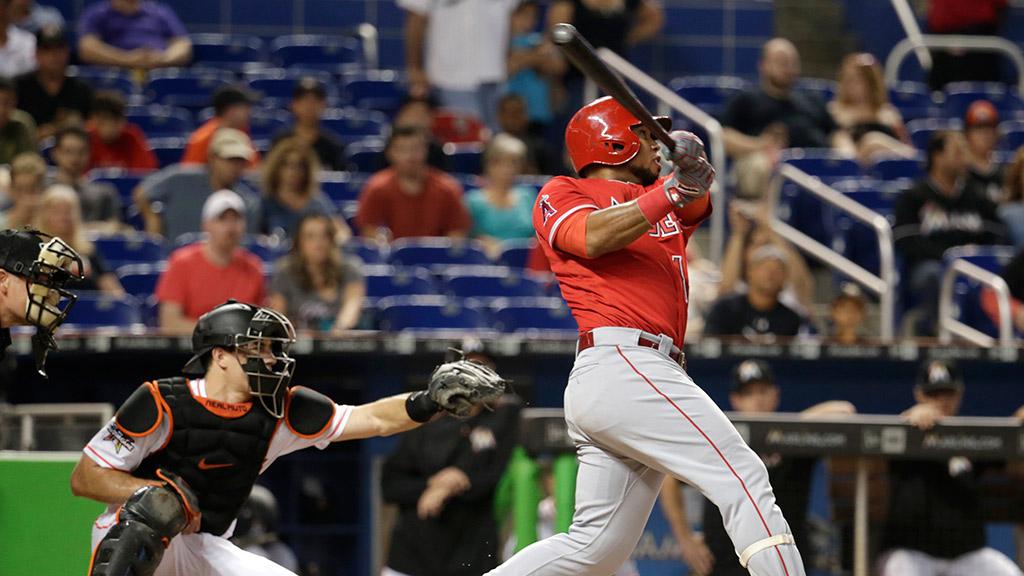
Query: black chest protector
219 456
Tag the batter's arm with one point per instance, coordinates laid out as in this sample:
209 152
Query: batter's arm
90 480
614 228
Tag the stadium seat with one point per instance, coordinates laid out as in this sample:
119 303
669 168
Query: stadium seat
365 250
489 282
229 51
895 168
365 154
821 162
533 315
1012 132
854 239
383 280
398 313
913 100
382 90
167 150
464 158
921 130
128 248
124 180
437 252
820 88
352 123
182 87
967 292
338 186
140 280
95 310
960 95
516 253
458 127
104 78
709 93
266 123
330 53
274 86
158 121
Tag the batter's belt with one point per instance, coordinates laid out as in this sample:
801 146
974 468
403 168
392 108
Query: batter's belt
614 336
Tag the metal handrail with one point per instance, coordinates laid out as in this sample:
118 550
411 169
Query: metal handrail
884 283
909 22
950 326
716 143
957 42
368 35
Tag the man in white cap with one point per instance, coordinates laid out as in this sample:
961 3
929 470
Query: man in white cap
170 200
203 275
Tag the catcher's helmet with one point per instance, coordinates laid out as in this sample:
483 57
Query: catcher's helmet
263 335
602 133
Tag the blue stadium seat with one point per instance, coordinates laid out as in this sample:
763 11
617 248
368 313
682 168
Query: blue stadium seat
127 248
398 313
709 93
489 282
464 158
960 95
820 88
182 87
366 250
854 239
352 123
383 280
437 252
365 154
1012 132
140 280
95 310
912 99
895 168
921 130
382 90
803 210
516 253
533 315
104 78
229 51
168 150
821 162
274 86
123 180
265 123
330 53
967 292
338 186
158 121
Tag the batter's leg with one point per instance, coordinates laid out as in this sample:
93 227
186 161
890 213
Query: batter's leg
986 561
614 497
219 557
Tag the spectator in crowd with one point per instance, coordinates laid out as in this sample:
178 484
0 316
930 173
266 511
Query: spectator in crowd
758 315
203 275
935 524
443 477
17 132
17 47
232 108
750 230
101 205
532 61
861 108
31 16
419 113
291 189
60 214
981 130
28 179
973 18
761 122
410 198
754 391
309 100
136 34
1013 274
49 95
514 119
1011 202
466 70
940 212
316 285
171 200
113 141
502 210
847 316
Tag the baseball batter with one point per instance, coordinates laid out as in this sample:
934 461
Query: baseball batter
180 457
616 240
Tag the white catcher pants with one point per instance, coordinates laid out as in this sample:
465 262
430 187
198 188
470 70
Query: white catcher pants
635 416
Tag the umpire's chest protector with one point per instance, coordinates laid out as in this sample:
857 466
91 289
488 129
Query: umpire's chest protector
219 453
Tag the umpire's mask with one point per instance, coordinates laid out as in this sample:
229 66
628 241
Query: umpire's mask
264 348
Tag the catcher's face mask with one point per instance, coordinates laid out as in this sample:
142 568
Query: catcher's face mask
48 302
264 356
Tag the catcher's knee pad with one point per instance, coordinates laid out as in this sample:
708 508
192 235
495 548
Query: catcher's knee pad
129 548
761 546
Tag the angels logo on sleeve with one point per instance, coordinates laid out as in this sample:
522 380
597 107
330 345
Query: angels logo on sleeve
546 209
119 438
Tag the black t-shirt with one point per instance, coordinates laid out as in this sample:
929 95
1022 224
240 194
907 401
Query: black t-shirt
605 29
734 316
806 117
935 507
328 147
32 98
791 482
990 182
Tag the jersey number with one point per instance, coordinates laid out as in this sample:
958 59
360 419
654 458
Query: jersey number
682 276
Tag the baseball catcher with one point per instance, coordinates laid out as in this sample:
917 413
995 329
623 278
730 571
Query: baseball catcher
181 455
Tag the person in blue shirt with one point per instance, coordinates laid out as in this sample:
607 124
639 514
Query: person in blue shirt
501 209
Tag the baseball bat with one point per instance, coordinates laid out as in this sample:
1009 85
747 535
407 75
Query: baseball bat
582 55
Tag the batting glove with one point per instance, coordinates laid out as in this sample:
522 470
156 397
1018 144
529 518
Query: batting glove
691 173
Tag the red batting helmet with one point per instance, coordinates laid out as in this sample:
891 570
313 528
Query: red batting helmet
602 133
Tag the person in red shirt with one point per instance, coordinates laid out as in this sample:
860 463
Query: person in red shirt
113 141
232 108
977 17
616 240
410 198
201 276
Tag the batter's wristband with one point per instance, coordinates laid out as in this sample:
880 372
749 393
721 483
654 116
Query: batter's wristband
420 407
654 205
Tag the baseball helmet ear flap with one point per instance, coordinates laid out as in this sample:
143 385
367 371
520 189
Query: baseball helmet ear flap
602 133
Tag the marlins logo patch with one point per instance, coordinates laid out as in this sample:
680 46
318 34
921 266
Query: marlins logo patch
546 209
119 438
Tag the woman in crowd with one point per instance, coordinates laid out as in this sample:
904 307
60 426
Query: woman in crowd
60 214
315 285
861 107
1011 206
28 177
501 210
291 189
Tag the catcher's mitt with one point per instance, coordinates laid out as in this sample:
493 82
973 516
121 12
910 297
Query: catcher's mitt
458 385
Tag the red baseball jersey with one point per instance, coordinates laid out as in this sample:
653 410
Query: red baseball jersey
643 285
